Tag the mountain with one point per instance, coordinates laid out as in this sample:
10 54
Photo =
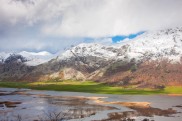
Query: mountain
14 66
150 45
152 59
30 58
36 58
155 45
91 49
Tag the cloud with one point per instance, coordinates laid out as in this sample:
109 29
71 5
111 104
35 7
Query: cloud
52 45
38 22
104 41
93 18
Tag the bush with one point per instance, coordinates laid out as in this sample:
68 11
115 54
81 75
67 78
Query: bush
133 68
159 87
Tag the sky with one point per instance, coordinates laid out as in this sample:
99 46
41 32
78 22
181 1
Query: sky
54 25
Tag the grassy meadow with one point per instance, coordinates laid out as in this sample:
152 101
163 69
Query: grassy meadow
88 86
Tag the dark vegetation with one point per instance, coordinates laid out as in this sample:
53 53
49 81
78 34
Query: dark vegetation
122 66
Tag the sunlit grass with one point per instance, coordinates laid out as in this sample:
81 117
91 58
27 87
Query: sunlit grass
174 89
88 86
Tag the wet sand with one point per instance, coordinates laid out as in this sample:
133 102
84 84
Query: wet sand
141 109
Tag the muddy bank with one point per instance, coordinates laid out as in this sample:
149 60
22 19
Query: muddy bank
140 109
9 104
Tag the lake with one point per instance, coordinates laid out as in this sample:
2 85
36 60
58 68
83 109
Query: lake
34 105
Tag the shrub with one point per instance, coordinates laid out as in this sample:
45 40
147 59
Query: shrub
133 68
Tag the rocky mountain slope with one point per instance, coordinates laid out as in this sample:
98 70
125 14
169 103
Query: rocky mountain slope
151 59
154 58
15 66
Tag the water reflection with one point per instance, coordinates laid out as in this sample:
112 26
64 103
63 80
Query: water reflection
39 105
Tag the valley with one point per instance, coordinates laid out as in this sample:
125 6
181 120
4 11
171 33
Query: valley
90 60
151 60
134 80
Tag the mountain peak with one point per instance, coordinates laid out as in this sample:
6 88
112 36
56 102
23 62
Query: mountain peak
150 45
164 43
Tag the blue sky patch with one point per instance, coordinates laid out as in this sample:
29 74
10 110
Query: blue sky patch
119 38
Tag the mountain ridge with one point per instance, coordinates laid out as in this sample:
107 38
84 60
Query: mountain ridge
130 62
33 58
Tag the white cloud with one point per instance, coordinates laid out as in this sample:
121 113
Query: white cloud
81 18
93 18
105 41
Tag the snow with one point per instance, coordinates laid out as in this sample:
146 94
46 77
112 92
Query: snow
43 53
4 55
161 43
36 58
89 49
33 58
153 44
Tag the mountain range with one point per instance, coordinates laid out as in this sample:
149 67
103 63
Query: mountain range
152 59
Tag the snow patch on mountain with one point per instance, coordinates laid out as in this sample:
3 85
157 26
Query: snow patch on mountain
36 58
4 56
151 45
33 58
90 49
43 53
155 45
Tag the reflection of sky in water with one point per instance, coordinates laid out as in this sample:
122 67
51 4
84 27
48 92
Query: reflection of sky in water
31 107
34 106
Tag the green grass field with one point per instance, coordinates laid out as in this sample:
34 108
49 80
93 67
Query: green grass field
88 86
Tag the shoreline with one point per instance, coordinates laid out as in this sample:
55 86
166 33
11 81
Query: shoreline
172 94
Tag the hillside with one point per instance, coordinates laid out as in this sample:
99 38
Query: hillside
153 59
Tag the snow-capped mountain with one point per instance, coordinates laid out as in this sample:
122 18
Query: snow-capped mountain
155 45
91 49
36 58
32 58
150 45
3 56
153 58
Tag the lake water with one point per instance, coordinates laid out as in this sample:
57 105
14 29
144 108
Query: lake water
30 105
